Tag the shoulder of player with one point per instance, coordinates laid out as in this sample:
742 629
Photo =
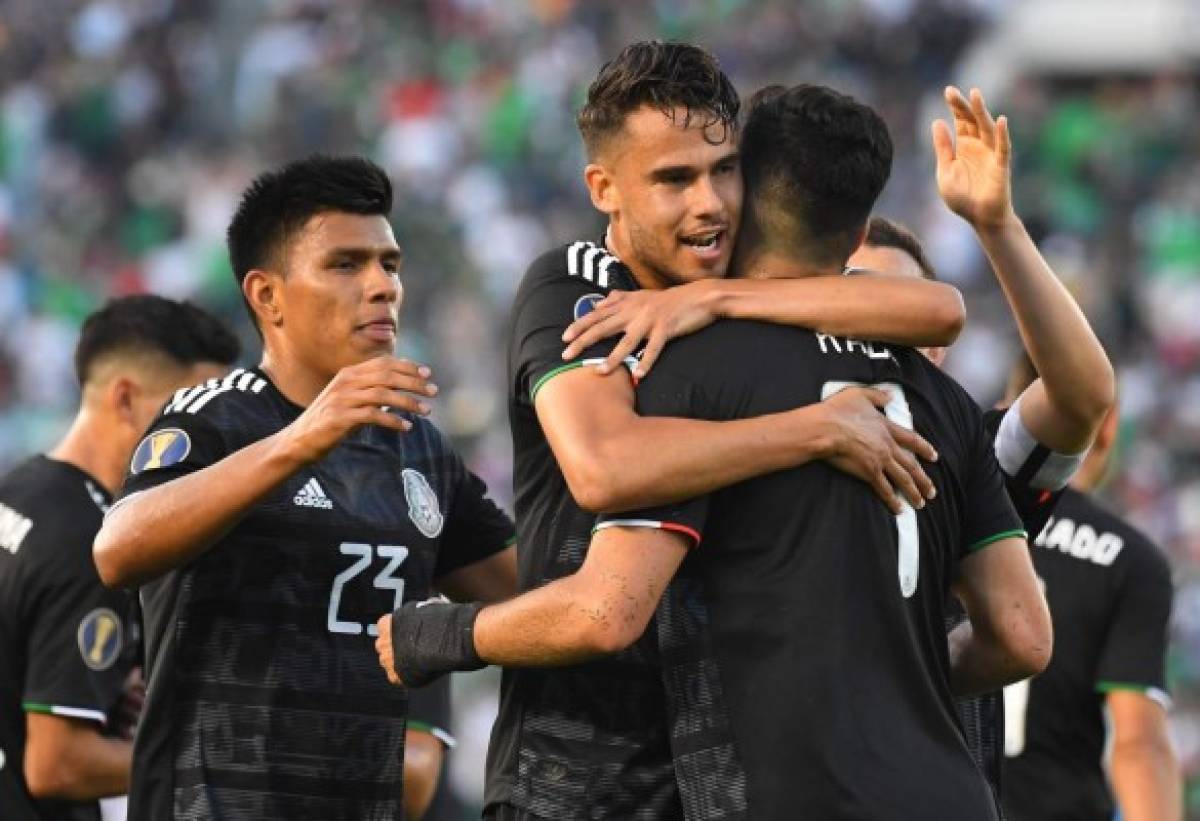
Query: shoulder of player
587 263
236 392
45 509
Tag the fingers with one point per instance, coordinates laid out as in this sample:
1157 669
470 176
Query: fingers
907 476
1003 143
586 321
629 343
943 143
654 347
601 328
964 118
913 442
884 490
983 118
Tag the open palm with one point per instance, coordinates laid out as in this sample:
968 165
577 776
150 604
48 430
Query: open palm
973 166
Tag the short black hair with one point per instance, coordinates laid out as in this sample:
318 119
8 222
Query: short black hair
137 325
814 162
884 233
667 76
279 203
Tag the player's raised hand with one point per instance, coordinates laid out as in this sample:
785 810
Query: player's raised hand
974 165
357 396
653 317
876 450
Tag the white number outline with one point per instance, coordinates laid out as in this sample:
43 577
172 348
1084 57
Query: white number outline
384 580
908 553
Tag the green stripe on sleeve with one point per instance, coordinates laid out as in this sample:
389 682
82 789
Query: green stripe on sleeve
1110 686
34 707
1007 534
570 366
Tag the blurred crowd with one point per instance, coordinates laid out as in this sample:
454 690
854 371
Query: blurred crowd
128 127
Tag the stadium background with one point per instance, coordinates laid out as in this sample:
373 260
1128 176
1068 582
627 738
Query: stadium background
128 127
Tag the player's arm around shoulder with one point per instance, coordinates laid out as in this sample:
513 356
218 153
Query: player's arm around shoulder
166 519
1011 635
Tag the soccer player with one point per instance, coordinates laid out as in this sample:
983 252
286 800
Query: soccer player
823 645
1109 590
66 643
270 515
660 129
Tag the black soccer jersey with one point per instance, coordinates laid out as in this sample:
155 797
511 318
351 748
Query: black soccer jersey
64 638
590 741
265 696
1109 591
826 611
1034 496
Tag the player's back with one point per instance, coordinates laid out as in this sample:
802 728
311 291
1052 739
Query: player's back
828 628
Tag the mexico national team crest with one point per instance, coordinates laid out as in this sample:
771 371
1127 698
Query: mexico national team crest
161 449
586 304
422 503
100 638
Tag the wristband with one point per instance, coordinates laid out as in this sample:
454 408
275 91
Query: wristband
432 638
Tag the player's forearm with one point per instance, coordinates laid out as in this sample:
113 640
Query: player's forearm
1077 374
88 768
983 666
1146 780
901 310
659 460
554 625
165 527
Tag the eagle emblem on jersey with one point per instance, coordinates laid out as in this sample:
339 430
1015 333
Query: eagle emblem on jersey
100 638
586 304
161 449
422 503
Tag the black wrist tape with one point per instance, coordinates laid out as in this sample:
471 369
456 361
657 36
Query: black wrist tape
430 639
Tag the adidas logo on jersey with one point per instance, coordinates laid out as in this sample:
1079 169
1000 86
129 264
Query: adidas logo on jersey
311 495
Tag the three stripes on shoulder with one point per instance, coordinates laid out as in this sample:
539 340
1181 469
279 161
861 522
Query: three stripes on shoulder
191 400
590 261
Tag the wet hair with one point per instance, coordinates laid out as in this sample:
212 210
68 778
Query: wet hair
814 162
665 76
884 233
279 203
145 324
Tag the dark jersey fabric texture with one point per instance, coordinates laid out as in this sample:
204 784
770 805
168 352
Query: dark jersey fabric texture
826 614
589 741
982 716
265 696
66 642
1109 590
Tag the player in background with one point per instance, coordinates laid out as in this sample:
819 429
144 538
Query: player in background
1109 589
67 644
660 129
270 515
795 609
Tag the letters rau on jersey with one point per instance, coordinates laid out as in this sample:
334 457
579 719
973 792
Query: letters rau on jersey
266 698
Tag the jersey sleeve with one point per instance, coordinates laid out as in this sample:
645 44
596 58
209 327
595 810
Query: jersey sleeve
476 527
1034 475
1134 653
79 632
175 445
989 513
555 300
666 392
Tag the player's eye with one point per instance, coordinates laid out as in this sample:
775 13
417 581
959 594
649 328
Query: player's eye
727 167
344 264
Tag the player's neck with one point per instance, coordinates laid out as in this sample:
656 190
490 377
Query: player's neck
298 384
767 264
91 446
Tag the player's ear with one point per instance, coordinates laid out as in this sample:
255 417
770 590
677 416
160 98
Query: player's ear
936 355
121 396
262 292
600 186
